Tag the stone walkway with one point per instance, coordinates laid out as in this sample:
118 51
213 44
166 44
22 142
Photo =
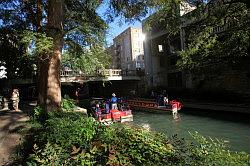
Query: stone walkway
11 125
216 106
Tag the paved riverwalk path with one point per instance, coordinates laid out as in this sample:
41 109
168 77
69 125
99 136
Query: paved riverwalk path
216 106
11 125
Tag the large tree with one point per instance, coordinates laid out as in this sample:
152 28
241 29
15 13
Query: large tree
52 25
72 24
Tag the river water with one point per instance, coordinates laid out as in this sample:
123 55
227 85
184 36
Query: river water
233 128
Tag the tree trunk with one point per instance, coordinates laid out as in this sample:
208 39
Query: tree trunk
49 73
42 65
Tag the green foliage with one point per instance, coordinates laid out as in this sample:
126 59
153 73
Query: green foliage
90 61
214 152
50 155
63 134
167 17
198 53
39 114
220 35
83 25
126 145
38 43
68 104
12 55
69 131
68 138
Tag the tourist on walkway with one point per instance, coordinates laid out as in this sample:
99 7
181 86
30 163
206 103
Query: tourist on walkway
15 99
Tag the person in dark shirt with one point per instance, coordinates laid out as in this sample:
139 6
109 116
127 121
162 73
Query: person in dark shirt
107 109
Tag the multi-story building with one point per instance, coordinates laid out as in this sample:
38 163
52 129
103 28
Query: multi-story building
161 54
161 49
129 53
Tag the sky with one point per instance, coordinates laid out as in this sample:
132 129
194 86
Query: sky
116 27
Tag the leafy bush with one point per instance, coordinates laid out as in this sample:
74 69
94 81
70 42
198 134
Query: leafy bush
68 104
69 138
39 114
127 145
214 152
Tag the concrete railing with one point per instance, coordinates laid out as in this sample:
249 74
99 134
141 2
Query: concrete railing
70 73
105 72
110 74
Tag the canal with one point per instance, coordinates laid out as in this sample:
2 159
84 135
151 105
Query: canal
233 128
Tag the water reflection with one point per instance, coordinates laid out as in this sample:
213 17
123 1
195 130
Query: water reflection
176 120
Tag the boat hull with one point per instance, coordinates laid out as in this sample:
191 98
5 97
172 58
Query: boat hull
172 106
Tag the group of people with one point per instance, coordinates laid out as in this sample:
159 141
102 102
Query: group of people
109 104
161 98
14 98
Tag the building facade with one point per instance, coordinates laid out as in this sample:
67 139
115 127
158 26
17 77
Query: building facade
161 49
128 50
161 54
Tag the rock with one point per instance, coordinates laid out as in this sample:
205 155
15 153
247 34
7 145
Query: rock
79 109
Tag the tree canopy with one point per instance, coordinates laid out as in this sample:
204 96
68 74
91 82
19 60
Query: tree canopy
51 26
219 33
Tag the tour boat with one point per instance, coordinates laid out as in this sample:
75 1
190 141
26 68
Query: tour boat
147 104
101 114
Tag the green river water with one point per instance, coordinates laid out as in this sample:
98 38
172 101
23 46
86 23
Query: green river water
233 128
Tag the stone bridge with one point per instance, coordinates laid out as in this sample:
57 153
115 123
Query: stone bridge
101 75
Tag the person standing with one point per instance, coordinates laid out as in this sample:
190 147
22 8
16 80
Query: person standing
107 109
114 102
77 95
15 99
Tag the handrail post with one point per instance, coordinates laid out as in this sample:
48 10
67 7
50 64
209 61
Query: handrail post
110 72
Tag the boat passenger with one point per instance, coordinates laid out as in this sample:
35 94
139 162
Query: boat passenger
98 110
160 100
165 100
114 101
152 94
107 109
